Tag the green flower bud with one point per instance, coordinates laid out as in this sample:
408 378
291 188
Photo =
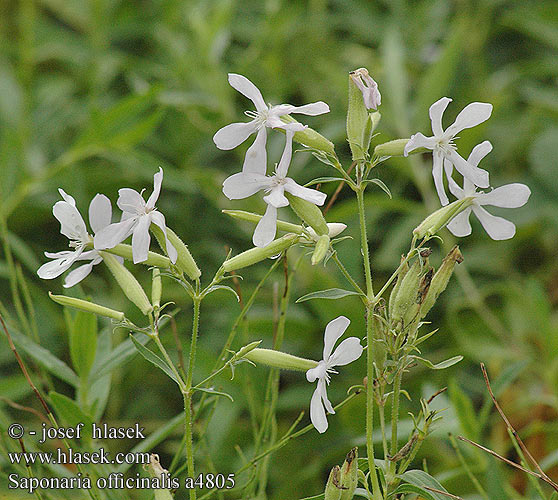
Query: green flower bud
349 475
391 148
436 221
441 279
153 259
258 254
320 249
85 305
397 286
358 120
184 261
412 313
255 218
278 359
129 285
310 138
332 489
379 328
156 471
407 292
309 213
156 288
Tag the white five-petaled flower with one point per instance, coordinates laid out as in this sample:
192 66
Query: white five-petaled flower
508 196
137 216
369 88
232 135
73 227
245 184
443 147
348 351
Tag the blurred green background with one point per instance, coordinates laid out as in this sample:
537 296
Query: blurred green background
96 95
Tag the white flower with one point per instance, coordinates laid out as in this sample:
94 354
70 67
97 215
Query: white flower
348 351
369 88
508 196
232 135
443 148
245 184
73 227
137 216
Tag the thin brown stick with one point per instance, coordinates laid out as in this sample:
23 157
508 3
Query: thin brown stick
509 462
437 393
338 190
17 406
514 432
22 366
434 490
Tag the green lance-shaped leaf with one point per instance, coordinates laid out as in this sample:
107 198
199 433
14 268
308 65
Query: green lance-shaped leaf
71 414
278 359
330 293
83 342
258 254
309 213
349 475
150 356
129 285
420 480
85 305
184 261
441 279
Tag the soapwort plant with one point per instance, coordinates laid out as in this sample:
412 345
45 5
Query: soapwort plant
396 312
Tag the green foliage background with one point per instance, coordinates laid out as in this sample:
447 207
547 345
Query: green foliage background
96 95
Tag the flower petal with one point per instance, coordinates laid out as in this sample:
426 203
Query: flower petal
437 173
157 181
255 160
114 234
287 155
472 115
276 197
233 135
497 228
322 386
460 225
129 200
71 222
436 111
311 195
313 109
476 175
77 275
141 239
334 329
266 228
347 351
508 196
66 197
55 268
159 220
100 212
479 152
243 185
248 89
418 140
317 411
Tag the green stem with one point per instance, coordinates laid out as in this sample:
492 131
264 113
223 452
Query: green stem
194 344
364 244
350 279
395 419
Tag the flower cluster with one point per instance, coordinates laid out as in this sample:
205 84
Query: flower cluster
137 217
253 177
446 157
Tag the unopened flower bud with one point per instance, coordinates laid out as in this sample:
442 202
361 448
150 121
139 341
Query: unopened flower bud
441 279
438 220
320 249
184 260
391 148
334 229
255 218
156 471
332 489
85 305
349 475
129 285
407 292
153 259
368 88
310 138
278 359
412 313
397 286
258 254
309 213
156 288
